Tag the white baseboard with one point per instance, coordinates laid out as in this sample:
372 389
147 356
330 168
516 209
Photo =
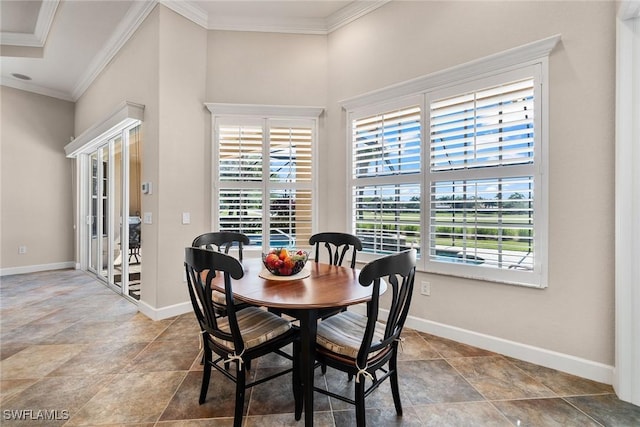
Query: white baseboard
36 268
164 312
584 368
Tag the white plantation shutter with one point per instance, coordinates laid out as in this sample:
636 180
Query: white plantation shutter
491 127
387 217
482 181
290 154
485 222
385 195
241 211
240 151
290 176
290 216
264 179
387 144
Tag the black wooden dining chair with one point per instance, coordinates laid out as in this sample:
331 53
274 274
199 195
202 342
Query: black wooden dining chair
337 245
363 346
240 336
223 241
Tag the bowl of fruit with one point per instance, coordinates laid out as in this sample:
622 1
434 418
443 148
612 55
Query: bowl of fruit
285 262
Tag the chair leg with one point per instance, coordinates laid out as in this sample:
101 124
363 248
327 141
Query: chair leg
395 389
360 415
296 381
240 390
206 375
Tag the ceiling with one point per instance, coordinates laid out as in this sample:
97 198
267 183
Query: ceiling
58 47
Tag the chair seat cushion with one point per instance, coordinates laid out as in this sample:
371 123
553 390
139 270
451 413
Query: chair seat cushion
219 297
257 326
343 333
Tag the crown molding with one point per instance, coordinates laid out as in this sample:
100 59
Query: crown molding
123 32
268 25
321 26
189 10
351 12
139 11
39 36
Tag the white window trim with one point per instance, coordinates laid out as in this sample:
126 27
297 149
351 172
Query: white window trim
127 114
489 65
254 113
534 54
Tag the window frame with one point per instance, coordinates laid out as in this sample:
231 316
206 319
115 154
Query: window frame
530 60
267 117
381 180
534 169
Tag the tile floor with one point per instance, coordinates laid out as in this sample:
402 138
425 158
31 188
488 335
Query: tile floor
74 351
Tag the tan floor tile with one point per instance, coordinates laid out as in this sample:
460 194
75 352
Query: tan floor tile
130 398
61 394
448 348
37 361
10 388
164 356
544 412
434 381
100 358
562 383
461 414
497 379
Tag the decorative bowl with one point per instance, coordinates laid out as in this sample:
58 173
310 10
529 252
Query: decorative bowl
284 261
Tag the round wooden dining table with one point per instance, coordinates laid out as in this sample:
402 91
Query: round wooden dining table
319 289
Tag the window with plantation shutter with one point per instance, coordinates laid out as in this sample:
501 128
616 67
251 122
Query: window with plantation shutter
456 172
263 179
386 162
482 179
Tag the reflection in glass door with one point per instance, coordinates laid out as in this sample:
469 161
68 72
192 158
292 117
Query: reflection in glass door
93 212
104 203
114 211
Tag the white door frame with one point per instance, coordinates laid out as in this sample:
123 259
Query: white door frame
626 379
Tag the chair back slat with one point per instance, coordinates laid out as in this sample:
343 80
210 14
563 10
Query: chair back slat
222 241
337 245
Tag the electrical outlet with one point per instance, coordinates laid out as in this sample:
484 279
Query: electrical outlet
22 249
425 288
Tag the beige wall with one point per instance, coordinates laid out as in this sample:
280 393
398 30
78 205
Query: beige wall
133 76
404 40
182 161
267 68
398 41
37 205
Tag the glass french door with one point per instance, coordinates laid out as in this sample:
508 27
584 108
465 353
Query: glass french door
114 247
